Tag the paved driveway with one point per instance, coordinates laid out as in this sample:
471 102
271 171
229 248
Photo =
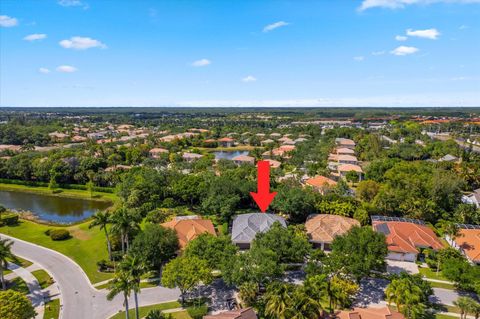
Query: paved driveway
396 267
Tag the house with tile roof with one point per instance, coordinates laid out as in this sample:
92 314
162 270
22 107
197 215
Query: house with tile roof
244 159
369 313
347 159
157 152
323 228
246 313
273 163
226 142
472 198
344 151
321 183
468 242
246 226
343 169
345 143
190 227
191 157
405 238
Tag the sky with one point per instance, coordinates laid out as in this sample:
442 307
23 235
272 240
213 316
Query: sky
240 53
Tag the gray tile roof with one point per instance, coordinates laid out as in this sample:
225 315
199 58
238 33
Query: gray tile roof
246 226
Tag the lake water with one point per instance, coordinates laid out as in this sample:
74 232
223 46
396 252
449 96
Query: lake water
55 209
228 154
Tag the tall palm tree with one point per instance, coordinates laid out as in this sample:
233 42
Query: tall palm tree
464 304
278 300
124 221
407 297
5 253
121 283
135 268
102 219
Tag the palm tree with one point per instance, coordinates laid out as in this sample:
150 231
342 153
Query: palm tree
305 306
124 221
406 296
278 300
474 308
121 283
157 314
135 268
5 253
102 219
466 305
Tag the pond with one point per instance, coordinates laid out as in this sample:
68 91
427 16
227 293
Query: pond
55 209
228 154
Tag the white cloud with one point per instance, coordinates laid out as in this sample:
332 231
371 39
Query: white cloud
249 78
73 3
399 4
275 25
378 53
7 22
427 33
359 58
401 38
35 36
81 43
404 50
66 69
201 62
44 70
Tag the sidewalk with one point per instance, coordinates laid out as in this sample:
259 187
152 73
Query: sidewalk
36 295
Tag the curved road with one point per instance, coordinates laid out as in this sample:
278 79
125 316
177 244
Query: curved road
79 298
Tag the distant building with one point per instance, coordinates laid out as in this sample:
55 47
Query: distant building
321 183
347 159
473 198
226 142
449 158
343 170
244 159
157 152
273 163
191 157
345 142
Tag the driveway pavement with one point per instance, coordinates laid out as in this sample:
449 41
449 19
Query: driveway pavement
396 267
79 299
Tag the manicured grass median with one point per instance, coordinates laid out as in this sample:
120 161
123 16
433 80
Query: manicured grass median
18 285
52 309
143 311
43 278
86 247
432 274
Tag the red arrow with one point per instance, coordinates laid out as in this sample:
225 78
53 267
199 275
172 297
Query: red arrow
263 197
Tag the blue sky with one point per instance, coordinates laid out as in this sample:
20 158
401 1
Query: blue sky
240 53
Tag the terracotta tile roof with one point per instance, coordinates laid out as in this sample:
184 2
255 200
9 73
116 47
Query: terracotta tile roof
349 167
469 241
323 228
273 163
226 139
344 150
189 229
370 313
344 141
246 313
320 182
243 158
348 158
158 150
405 237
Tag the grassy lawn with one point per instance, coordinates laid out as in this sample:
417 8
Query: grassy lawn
143 311
52 309
440 316
72 193
442 285
432 274
43 278
19 285
86 247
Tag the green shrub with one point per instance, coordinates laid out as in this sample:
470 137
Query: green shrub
9 219
47 232
59 234
197 312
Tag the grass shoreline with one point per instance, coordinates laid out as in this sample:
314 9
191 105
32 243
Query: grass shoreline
64 192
